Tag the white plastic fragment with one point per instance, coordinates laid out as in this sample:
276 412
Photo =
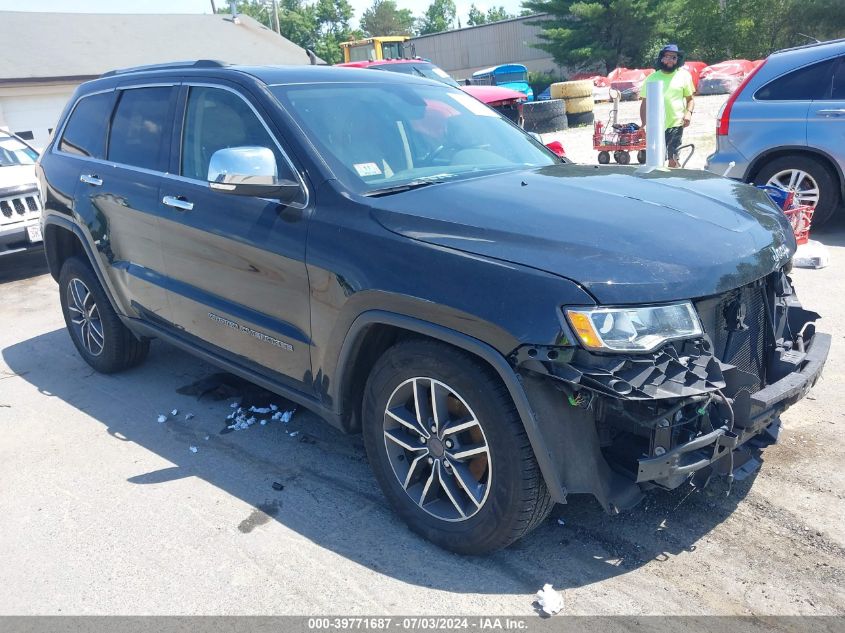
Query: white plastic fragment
234 405
294 433
561 522
162 418
206 438
263 422
193 449
259 410
175 412
273 407
189 416
813 254
551 602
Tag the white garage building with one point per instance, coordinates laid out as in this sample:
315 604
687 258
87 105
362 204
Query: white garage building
49 54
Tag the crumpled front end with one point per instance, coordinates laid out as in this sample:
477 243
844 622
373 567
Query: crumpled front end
617 423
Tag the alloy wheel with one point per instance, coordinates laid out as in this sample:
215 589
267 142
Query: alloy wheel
85 317
437 449
804 186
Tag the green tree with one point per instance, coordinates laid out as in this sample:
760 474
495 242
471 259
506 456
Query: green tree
440 16
256 9
384 18
494 14
333 18
584 33
713 30
298 23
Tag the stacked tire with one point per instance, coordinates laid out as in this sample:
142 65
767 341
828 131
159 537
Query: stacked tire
578 100
546 116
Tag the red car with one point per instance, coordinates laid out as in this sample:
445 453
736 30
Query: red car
506 101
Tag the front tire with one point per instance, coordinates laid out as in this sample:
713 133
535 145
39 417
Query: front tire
95 329
449 450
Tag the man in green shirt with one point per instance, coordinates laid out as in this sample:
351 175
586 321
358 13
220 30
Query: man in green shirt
677 98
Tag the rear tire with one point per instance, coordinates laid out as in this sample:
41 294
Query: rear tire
474 504
804 173
95 329
604 158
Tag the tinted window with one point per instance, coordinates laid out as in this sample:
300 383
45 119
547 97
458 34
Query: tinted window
85 132
216 119
839 81
139 127
805 84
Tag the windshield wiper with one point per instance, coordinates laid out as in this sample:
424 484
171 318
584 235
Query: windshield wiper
408 186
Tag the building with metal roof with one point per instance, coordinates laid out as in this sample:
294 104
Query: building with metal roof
49 54
461 52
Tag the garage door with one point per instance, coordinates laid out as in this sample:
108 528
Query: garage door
33 118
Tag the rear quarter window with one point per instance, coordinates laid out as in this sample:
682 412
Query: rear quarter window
809 83
85 132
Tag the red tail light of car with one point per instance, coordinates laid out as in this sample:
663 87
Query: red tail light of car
723 121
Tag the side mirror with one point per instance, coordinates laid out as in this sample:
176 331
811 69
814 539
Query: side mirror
249 171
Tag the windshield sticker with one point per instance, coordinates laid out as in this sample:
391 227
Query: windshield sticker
439 72
367 169
472 104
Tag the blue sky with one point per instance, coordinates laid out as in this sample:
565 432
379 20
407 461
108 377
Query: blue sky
204 6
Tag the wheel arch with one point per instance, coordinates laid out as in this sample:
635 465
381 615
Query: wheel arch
63 239
373 332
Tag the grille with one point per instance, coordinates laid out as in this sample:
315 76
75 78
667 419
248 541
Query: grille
740 332
23 205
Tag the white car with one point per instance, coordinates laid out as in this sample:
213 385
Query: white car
20 203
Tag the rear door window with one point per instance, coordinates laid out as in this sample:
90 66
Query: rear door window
140 130
85 132
805 84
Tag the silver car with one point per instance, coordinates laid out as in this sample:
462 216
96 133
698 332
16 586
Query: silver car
785 126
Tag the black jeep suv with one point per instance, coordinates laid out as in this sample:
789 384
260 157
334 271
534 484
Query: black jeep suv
503 327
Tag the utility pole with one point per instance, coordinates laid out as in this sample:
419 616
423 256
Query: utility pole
276 17
213 8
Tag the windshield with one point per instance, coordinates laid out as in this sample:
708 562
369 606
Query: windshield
511 77
13 152
429 71
383 135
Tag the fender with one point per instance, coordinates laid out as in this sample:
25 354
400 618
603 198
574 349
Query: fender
478 348
55 270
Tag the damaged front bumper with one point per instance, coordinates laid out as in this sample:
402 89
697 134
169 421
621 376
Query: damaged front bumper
766 405
616 424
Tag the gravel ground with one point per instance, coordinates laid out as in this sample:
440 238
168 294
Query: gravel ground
578 142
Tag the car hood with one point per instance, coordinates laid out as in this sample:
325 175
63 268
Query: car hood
627 235
14 176
493 95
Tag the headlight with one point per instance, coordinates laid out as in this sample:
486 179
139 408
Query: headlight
633 329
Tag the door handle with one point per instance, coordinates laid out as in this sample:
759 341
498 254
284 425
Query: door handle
177 203
91 179
836 113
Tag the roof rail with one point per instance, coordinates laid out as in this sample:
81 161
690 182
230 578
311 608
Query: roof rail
200 63
810 45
